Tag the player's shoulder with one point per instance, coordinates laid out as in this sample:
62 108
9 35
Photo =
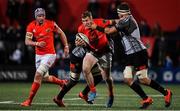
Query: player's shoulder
32 23
96 20
101 21
49 21
81 27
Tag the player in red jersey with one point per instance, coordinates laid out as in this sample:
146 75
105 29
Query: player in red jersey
101 52
39 33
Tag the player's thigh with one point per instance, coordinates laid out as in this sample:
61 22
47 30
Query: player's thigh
128 72
89 61
141 65
142 73
105 62
48 60
38 59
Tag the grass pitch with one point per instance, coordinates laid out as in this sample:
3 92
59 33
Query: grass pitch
12 94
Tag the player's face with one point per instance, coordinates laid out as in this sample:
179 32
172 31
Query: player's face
40 19
87 22
122 15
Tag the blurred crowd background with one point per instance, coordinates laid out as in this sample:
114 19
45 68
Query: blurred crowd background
158 20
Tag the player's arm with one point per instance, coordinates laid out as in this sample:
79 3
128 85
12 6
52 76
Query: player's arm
118 26
29 41
62 35
102 26
113 21
107 30
63 39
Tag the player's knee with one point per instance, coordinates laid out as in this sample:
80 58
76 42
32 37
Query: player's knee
143 77
46 76
86 70
42 69
38 78
128 72
145 81
128 81
88 63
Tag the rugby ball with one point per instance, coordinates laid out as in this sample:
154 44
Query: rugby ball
82 37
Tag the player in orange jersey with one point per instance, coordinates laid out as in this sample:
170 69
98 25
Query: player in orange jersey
101 51
40 33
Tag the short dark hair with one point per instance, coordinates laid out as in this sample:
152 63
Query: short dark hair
86 14
123 8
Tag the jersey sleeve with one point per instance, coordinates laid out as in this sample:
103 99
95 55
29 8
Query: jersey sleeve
80 29
29 28
103 22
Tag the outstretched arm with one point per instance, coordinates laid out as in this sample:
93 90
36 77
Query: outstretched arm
63 39
106 30
118 25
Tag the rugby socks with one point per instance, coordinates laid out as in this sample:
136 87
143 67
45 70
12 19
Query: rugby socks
66 88
92 88
97 80
55 80
153 84
137 88
35 86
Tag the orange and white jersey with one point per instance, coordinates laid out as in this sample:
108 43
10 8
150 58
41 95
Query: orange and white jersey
44 32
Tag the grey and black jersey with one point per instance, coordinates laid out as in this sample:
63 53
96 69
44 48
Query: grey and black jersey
76 58
79 52
129 30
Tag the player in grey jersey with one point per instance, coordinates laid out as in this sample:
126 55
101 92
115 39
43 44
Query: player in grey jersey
136 55
76 59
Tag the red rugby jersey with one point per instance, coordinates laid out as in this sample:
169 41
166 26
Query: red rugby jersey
98 40
44 32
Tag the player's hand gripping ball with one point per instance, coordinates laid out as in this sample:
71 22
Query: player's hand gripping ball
81 40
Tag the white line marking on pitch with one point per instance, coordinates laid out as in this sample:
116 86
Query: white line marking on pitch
37 103
126 95
5 102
